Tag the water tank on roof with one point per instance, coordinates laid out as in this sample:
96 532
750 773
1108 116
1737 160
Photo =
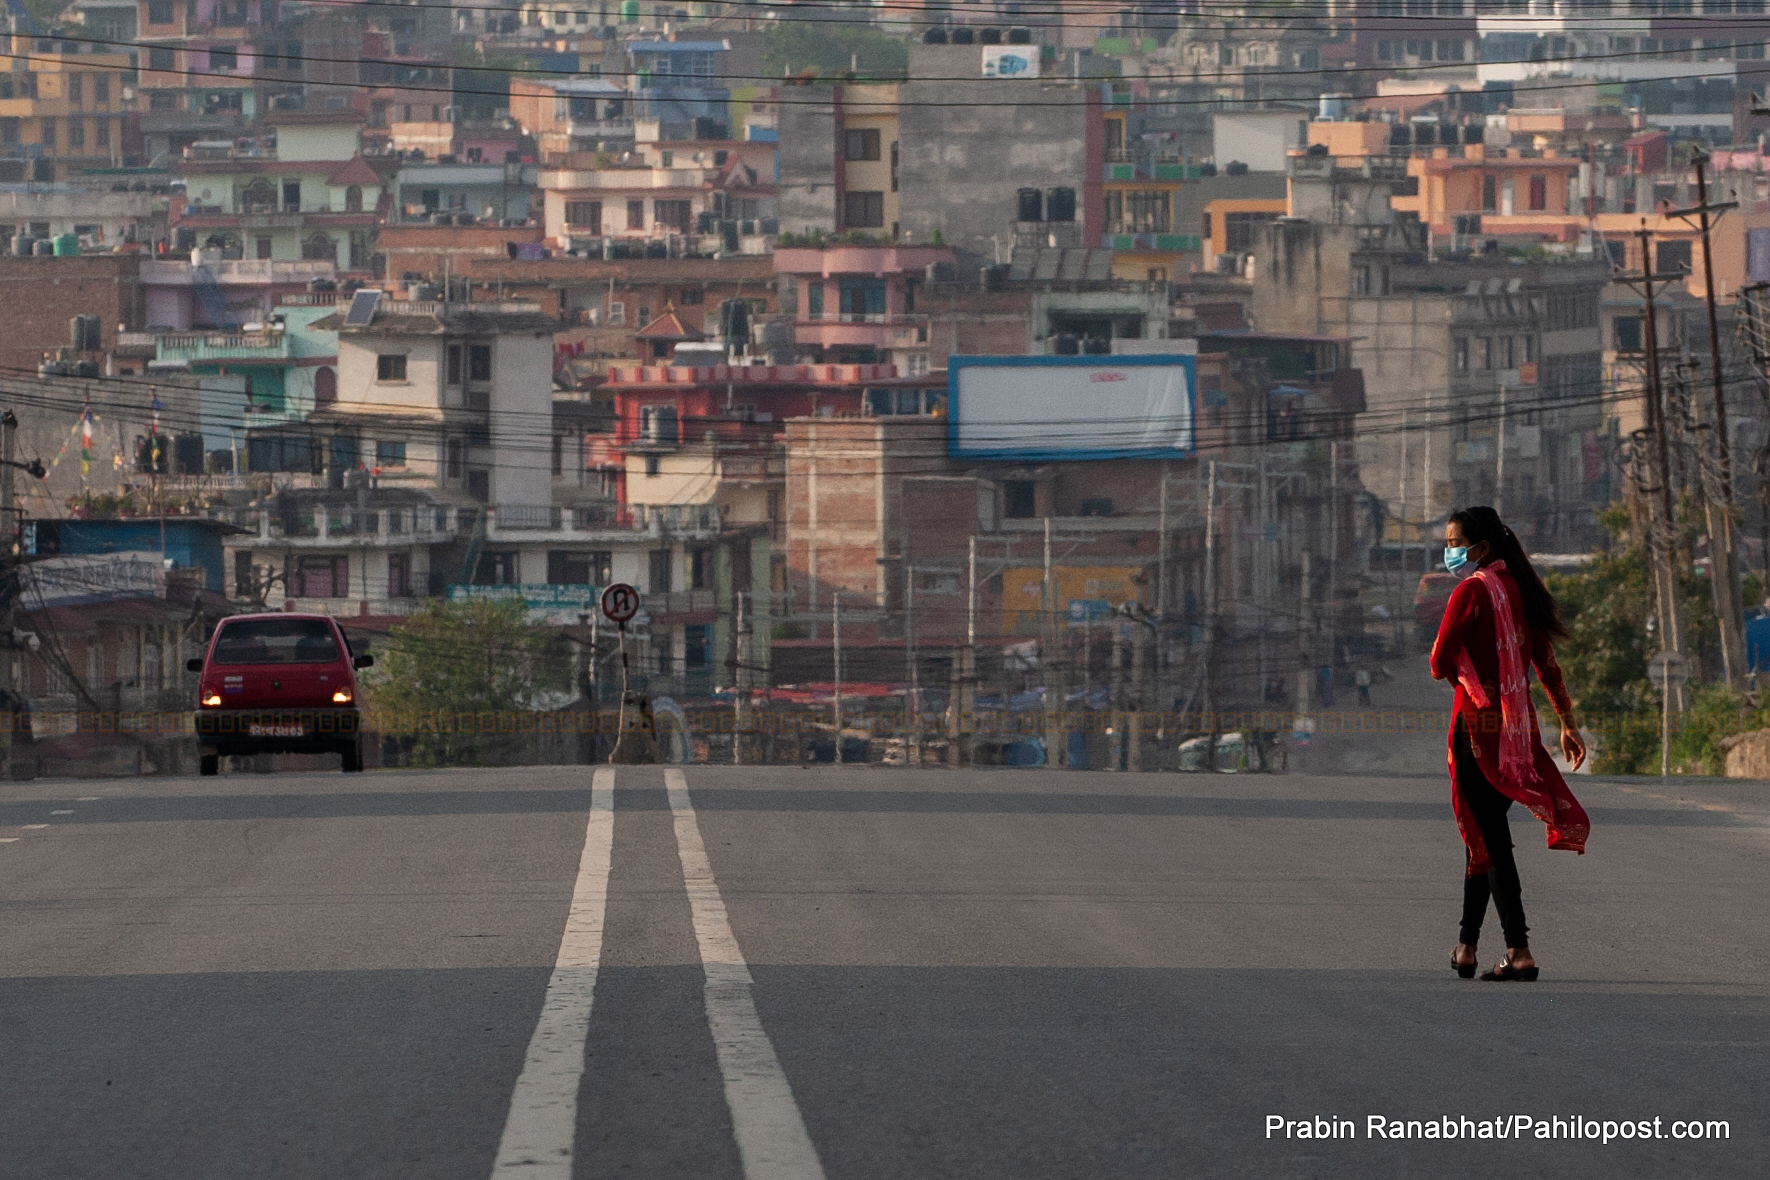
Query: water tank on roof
42 247
1334 106
629 11
21 245
67 245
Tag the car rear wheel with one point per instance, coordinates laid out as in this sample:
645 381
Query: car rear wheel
353 758
209 765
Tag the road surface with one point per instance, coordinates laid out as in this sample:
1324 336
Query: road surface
861 974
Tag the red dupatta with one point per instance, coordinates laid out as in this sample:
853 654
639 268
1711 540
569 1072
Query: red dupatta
1526 774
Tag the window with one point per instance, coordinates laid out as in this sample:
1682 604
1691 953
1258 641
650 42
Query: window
1539 192
691 297
243 579
399 575
659 561
1484 352
700 569
390 454
1490 197
863 300
814 300
101 132
48 133
584 215
863 210
456 458
635 214
76 133
1060 205
1508 353
224 59
589 568
163 100
1459 352
315 577
161 59
101 91
288 641
479 362
1628 333
1668 257
353 199
676 215
76 86
1239 230
325 385
652 466
657 424
453 365
319 247
159 12
617 314
1019 499
558 456
390 367
1529 350
1361 280
498 569
291 196
862 144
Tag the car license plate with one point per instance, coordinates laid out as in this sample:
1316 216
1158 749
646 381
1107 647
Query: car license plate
275 731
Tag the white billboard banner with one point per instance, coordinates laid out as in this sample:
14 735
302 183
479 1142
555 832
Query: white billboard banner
1070 407
1010 61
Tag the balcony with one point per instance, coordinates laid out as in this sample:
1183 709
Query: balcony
241 271
861 329
199 347
597 522
752 468
877 261
320 526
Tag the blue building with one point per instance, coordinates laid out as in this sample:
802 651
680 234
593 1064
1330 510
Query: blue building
190 542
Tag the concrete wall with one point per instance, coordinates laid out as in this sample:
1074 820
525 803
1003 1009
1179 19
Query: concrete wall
40 296
961 166
808 161
1259 139
522 419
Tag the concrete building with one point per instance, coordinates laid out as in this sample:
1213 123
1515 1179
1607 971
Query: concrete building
666 196
1461 355
312 197
62 109
857 304
495 193
100 215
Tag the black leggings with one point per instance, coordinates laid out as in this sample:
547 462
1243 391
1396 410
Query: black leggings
1501 880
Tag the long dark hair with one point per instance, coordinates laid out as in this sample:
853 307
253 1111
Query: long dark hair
1482 523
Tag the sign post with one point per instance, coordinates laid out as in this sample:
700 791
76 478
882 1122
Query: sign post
620 602
1668 670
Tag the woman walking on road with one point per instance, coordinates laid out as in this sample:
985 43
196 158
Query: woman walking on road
1501 620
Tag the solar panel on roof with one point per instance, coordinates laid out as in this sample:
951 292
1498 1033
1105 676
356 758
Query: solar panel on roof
362 309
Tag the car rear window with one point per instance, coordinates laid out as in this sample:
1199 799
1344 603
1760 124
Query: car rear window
276 641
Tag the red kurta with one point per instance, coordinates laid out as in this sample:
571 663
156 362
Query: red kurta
1468 626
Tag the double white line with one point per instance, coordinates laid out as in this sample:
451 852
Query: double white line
538 1134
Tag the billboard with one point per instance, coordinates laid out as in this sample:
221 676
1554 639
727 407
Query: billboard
1010 61
1070 407
1084 593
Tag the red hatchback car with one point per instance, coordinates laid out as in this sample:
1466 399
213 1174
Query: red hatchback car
279 683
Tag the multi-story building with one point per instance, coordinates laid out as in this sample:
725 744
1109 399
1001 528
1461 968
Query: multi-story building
62 108
1462 354
857 304
99 216
467 192
663 196
311 196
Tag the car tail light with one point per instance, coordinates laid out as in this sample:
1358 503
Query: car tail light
341 697
211 699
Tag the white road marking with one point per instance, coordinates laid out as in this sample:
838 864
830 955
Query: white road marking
538 1133
32 827
770 1131
63 811
87 799
8 839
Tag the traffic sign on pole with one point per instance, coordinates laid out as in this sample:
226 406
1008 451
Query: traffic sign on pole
620 602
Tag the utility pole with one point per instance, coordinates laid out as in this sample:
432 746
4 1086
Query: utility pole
741 677
1666 535
1210 604
1499 471
912 679
1723 573
1161 561
1056 743
1115 693
9 572
836 659
968 686
1134 724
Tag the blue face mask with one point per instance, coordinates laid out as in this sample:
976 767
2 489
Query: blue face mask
1455 558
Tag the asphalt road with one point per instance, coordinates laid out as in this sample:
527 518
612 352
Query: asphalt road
857 973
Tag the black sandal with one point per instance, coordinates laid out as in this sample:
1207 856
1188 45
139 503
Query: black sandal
1506 973
1463 970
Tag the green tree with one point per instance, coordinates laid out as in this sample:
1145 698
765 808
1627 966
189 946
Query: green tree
834 49
479 656
1610 608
